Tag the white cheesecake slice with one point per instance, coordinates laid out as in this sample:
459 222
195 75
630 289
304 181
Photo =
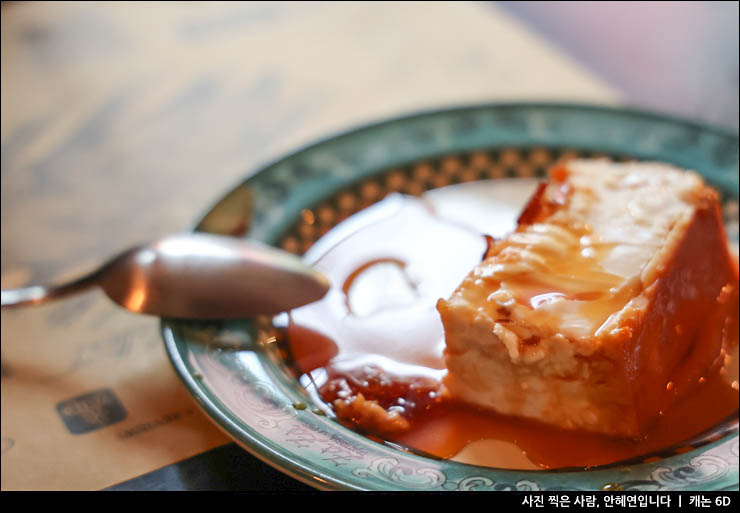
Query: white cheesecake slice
603 306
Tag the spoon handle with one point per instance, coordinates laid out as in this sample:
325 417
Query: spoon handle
35 295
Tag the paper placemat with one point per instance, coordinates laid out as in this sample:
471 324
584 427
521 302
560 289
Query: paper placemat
123 122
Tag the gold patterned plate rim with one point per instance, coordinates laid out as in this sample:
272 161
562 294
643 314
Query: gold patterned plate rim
240 380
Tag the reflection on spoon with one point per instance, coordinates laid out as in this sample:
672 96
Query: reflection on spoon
195 276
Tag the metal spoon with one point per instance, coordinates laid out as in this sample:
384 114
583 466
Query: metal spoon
195 276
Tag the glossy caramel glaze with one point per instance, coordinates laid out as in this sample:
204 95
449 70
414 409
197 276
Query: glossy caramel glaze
353 343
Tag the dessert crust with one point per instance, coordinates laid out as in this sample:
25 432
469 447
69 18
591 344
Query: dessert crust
650 330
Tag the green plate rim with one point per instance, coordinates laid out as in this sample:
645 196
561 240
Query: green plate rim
353 130
259 445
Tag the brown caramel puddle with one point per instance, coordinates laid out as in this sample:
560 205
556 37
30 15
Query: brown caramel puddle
373 350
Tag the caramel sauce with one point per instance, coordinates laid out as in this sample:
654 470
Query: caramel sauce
447 428
352 343
558 271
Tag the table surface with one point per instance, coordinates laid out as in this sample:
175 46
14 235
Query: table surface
156 110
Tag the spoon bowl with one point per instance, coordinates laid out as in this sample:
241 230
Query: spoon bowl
195 276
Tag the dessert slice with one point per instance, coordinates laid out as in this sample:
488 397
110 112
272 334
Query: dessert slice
607 302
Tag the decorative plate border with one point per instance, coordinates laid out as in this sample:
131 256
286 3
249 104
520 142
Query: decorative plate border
232 372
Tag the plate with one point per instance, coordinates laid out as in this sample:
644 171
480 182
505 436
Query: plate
236 370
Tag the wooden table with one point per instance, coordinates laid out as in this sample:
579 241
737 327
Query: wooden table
123 122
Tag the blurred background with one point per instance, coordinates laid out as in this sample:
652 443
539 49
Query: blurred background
184 99
124 121
674 57
187 98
